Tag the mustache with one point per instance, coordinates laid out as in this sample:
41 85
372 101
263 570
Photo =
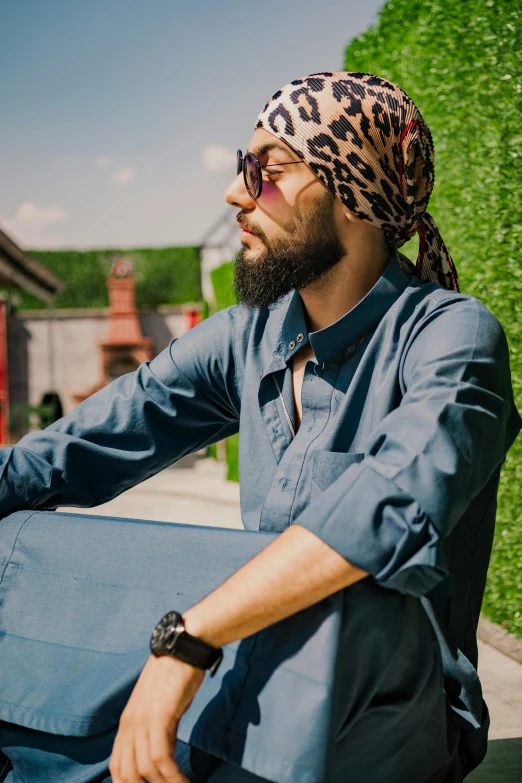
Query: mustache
242 224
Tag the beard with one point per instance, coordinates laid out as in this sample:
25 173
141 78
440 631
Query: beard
312 248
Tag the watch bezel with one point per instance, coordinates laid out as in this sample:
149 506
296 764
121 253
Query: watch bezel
166 633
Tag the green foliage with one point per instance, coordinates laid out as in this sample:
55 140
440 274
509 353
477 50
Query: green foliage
461 62
23 418
167 275
232 451
223 283
204 310
212 451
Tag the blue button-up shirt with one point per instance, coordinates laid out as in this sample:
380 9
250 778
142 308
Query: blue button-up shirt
408 415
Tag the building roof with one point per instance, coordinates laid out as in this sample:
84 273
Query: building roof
18 268
222 232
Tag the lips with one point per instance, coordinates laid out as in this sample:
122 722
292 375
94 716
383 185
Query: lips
247 230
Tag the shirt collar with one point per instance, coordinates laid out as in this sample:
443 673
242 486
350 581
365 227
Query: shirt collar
351 327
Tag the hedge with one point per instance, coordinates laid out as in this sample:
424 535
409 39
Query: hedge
222 282
167 275
462 65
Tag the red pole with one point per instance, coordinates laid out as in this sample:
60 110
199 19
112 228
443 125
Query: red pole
192 317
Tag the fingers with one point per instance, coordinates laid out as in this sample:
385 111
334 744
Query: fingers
144 756
129 772
161 752
144 764
122 765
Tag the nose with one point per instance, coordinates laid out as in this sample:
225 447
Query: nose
237 195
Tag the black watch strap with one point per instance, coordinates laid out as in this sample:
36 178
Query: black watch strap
196 652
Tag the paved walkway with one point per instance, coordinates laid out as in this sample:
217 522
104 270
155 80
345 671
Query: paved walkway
195 492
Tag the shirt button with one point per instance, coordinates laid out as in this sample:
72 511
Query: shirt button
300 337
285 483
291 345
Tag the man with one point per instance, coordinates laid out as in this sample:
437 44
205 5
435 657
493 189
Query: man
375 410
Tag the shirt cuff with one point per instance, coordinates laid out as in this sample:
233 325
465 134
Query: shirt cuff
379 528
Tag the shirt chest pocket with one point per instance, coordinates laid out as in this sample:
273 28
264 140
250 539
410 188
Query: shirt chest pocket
329 465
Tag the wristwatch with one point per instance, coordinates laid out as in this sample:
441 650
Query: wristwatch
169 637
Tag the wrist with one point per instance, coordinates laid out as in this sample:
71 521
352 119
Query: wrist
201 622
174 665
195 626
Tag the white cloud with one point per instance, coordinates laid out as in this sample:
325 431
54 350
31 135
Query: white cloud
102 161
31 222
218 158
123 176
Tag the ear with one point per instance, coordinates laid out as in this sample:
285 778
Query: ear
344 214
351 216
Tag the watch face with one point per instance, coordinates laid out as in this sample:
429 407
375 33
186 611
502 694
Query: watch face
166 632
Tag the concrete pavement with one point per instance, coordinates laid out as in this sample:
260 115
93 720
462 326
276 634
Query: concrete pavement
501 678
195 492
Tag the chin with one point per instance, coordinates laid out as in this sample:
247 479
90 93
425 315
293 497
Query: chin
247 240
251 254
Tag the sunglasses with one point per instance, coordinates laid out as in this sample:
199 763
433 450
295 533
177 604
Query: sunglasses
251 168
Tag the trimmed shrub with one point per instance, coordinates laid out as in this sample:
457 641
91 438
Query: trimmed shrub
462 65
222 281
166 275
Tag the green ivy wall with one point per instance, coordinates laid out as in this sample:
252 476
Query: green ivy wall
222 283
166 275
461 62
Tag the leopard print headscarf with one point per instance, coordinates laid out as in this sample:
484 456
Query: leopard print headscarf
368 143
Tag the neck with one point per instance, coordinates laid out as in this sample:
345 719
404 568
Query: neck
331 297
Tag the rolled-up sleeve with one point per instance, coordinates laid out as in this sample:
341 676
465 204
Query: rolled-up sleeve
183 400
425 461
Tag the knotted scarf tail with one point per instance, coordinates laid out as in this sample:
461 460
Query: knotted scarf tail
434 262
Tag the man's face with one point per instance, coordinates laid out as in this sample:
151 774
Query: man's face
295 238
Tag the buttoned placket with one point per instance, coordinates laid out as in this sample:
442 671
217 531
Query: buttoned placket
286 497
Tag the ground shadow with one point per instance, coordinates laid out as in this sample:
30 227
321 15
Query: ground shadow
503 763
187 461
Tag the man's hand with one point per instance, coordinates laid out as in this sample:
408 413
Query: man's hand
144 746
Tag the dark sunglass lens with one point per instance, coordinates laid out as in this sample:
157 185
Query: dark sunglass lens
252 175
239 162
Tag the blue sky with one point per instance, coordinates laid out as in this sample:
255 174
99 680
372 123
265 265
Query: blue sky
121 118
